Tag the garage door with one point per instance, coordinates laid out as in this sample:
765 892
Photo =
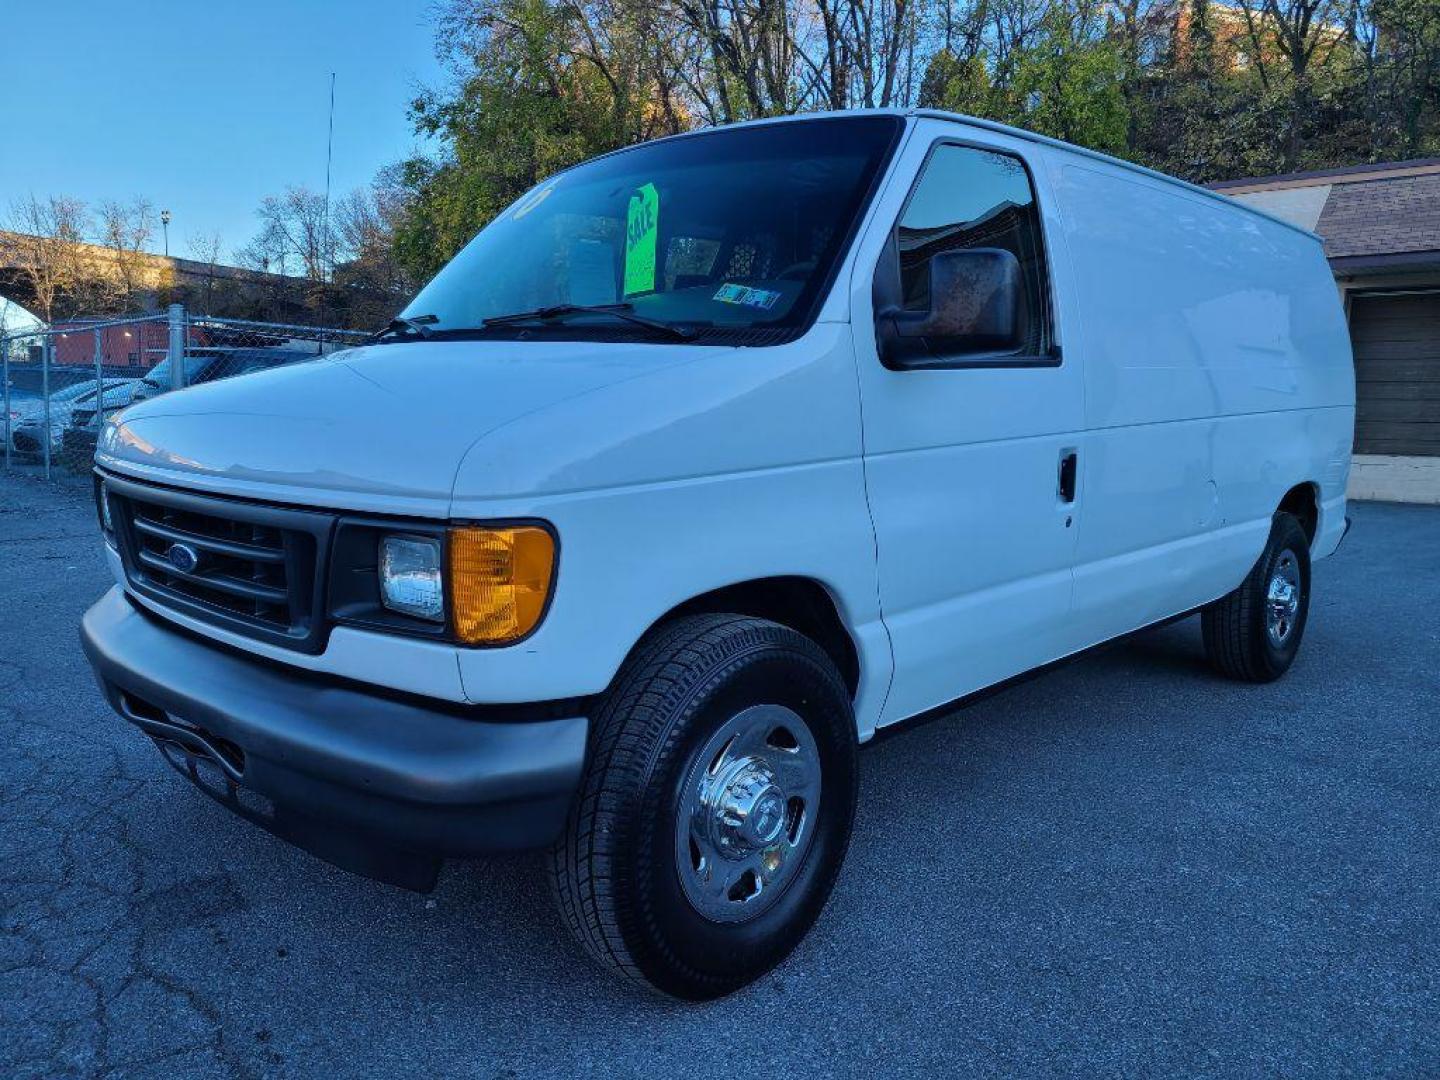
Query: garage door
1397 373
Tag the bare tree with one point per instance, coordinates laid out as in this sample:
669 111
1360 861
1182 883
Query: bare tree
125 231
295 234
370 279
41 246
205 248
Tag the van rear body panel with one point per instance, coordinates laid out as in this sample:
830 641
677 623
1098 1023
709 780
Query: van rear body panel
1218 376
1204 372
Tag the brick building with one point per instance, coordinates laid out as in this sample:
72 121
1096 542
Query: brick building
139 346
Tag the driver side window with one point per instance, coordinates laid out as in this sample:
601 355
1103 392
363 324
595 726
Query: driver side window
973 198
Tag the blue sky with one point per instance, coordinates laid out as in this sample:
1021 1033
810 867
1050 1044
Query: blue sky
205 106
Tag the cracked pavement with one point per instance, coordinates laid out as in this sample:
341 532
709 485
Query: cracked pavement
1126 866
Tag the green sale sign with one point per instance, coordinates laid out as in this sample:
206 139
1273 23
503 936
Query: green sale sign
642 226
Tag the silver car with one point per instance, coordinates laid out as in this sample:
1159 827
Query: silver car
27 419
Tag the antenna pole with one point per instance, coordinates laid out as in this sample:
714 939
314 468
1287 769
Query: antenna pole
325 252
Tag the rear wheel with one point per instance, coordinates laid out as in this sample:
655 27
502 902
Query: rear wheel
1253 633
715 808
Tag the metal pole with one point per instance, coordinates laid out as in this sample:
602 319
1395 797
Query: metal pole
325 267
5 378
99 386
47 355
176 352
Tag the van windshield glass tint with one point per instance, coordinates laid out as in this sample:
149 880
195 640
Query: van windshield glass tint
724 234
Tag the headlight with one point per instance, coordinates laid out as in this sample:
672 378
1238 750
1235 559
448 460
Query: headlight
410 576
500 582
471 584
102 496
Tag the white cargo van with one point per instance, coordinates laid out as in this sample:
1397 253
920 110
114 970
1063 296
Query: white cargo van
701 463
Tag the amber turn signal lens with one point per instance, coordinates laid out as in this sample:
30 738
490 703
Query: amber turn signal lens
499 582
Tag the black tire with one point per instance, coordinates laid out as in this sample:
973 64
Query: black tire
616 873
1238 638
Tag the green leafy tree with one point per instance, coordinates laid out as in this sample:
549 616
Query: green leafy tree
1069 82
544 89
1206 89
959 85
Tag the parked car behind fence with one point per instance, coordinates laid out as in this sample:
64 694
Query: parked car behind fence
73 402
28 427
204 365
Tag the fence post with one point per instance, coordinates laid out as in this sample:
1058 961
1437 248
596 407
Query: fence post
47 356
99 384
176 350
5 378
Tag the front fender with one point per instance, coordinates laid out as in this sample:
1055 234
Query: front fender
674 485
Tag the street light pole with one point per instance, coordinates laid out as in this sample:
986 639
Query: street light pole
165 227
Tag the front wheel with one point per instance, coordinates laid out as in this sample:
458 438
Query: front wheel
715 808
1253 633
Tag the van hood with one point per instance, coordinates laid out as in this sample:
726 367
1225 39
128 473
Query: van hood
380 428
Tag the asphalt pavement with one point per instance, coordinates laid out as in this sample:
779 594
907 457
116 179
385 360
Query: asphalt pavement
1127 866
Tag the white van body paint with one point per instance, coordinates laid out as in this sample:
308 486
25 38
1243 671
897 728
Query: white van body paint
1205 372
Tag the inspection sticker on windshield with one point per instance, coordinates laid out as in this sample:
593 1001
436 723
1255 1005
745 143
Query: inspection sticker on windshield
743 294
642 227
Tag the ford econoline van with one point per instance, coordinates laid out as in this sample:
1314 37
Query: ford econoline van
703 462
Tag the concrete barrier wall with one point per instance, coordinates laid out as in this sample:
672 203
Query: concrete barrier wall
1395 479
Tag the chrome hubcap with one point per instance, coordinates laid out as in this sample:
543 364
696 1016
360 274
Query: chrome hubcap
1282 599
746 813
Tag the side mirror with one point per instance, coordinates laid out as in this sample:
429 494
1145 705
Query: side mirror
974 309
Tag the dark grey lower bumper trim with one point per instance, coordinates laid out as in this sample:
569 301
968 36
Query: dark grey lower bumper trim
383 771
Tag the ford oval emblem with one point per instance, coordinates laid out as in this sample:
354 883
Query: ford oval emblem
183 557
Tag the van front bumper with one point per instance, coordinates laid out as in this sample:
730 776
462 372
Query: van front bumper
378 783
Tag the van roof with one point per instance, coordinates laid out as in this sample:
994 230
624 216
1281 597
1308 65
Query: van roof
1019 133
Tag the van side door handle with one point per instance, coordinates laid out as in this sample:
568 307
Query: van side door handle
1066 486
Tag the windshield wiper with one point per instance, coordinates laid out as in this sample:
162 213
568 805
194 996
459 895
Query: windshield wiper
623 311
419 325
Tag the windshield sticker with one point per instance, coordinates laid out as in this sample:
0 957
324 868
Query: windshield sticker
764 299
530 201
592 272
642 227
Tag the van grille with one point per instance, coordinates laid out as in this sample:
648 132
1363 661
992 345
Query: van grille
241 566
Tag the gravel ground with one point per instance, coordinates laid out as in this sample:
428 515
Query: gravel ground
1126 866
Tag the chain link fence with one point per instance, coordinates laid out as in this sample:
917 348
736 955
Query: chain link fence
62 383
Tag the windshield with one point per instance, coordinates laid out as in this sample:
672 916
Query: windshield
159 375
733 234
73 392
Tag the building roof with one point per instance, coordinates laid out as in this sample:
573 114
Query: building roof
1349 174
1371 217
1383 217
